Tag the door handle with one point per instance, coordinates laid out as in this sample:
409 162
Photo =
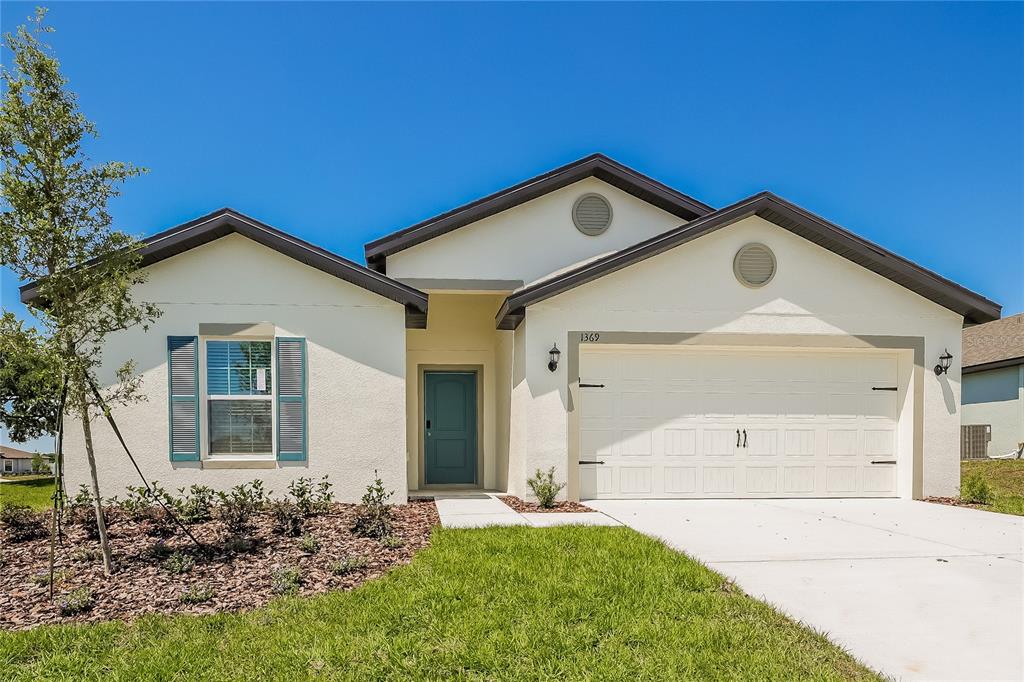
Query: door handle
737 437
428 423
744 438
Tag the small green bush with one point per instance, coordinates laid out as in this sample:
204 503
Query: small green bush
196 594
288 518
21 523
43 579
238 505
392 542
285 581
348 565
975 490
310 501
193 506
544 487
76 601
82 513
373 517
179 563
309 544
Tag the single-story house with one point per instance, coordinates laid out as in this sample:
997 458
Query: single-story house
993 381
592 320
15 461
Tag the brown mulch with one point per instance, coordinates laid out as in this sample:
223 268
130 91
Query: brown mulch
522 506
955 502
240 581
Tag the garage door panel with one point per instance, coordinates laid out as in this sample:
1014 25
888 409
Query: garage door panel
670 423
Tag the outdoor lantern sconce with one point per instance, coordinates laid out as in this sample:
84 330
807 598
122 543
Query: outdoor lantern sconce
554 353
945 360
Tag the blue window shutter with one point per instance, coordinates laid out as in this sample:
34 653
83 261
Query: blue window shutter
183 398
291 399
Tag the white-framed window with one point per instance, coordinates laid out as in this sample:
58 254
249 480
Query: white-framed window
8 465
238 383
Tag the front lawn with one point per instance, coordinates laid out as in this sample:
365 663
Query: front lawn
568 602
1006 478
35 492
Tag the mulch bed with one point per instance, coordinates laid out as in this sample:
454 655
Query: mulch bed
955 502
523 507
239 580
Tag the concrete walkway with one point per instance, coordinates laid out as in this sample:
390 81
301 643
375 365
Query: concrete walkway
477 510
912 589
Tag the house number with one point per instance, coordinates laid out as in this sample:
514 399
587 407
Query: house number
589 337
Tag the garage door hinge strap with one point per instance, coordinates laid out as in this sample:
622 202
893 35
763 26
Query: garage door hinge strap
884 388
591 385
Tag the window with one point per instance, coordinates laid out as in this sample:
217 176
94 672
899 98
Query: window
8 465
239 389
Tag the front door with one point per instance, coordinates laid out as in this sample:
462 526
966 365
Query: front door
449 427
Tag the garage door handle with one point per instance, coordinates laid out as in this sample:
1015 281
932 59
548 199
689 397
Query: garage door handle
737 437
591 385
883 388
590 461
744 438
883 461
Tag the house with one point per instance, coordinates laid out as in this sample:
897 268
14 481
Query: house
993 381
15 461
590 319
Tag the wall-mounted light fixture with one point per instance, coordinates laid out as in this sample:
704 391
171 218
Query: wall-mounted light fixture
945 360
553 356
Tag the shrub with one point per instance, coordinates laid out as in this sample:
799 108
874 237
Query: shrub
544 487
179 563
348 564
43 579
393 542
87 554
21 523
373 517
285 581
196 594
81 513
308 501
194 505
309 544
238 505
76 601
288 519
975 490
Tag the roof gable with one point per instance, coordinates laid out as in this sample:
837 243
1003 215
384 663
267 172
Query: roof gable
974 307
595 165
228 221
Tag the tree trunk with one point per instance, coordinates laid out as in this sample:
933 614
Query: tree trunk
97 504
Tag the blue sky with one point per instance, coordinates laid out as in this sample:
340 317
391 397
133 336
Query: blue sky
342 122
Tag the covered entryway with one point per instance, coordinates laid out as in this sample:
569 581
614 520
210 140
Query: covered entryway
673 421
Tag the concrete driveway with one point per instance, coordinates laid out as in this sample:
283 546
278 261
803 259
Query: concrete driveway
913 589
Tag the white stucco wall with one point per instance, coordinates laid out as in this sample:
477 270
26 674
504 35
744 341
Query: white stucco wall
996 398
531 240
692 289
356 371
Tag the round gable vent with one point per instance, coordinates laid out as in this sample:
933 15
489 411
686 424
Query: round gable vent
754 265
592 214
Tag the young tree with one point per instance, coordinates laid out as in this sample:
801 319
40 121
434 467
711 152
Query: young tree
55 229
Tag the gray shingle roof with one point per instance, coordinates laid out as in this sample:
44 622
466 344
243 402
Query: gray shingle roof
998 341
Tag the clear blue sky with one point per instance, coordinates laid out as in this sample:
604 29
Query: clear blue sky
342 122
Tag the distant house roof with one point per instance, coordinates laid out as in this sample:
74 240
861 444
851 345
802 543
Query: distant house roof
994 344
595 165
7 452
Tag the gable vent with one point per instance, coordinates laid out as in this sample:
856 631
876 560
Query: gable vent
592 214
754 265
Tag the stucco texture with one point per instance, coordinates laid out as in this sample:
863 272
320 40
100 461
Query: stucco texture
996 398
355 367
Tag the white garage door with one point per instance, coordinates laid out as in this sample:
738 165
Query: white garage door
671 422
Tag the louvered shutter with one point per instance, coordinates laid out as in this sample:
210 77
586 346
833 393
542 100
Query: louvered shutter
183 397
291 399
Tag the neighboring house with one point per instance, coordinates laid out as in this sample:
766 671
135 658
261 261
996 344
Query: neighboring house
755 350
15 461
993 381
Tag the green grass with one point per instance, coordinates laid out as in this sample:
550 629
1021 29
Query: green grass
488 604
32 491
1006 477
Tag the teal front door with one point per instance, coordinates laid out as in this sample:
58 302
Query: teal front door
449 427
